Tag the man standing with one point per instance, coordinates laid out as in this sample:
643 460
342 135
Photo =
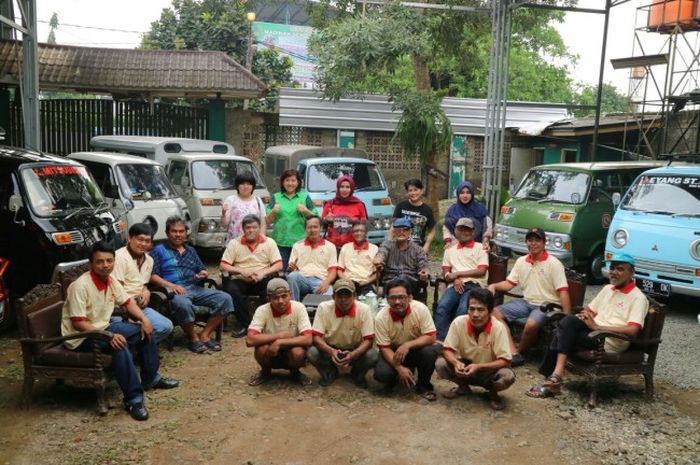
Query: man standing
355 260
280 333
177 266
251 260
132 268
464 266
313 263
619 308
405 335
401 258
476 351
343 332
418 212
89 305
542 278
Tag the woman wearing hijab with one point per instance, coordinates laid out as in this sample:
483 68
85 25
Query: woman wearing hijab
467 207
342 211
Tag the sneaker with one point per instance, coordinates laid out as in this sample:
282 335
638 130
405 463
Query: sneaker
239 333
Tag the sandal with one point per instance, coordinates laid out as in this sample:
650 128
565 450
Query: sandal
456 392
198 347
542 392
301 379
554 381
258 378
213 345
430 396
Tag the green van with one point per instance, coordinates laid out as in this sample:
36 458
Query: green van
573 203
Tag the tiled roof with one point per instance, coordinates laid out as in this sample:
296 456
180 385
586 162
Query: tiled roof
180 73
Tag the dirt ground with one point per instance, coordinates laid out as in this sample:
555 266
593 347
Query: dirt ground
215 418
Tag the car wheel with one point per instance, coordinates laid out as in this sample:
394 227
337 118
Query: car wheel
595 268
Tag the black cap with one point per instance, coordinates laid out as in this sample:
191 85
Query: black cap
539 232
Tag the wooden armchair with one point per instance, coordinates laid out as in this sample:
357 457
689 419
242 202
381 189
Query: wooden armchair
638 359
43 352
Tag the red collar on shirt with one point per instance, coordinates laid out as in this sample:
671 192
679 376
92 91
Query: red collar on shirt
288 311
99 284
468 245
472 332
395 317
364 246
352 312
260 240
627 288
318 244
543 257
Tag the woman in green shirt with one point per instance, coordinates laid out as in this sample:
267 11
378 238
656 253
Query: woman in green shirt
289 209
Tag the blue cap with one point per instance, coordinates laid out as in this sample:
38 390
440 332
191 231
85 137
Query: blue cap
403 223
621 257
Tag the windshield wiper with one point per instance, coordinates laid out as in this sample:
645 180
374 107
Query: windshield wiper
552 200
76 211
656 212
686 215
224 188
100 207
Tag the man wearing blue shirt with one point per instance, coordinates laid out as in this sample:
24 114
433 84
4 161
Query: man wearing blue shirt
177 266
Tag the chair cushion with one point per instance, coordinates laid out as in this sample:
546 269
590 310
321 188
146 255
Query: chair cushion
60 356
629 356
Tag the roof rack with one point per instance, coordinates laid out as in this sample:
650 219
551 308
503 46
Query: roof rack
683 157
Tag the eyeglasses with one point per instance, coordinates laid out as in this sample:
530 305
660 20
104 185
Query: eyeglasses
397 297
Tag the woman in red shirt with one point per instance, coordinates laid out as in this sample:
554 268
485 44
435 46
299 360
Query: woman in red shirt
341 212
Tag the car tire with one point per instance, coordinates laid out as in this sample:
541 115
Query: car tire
595 267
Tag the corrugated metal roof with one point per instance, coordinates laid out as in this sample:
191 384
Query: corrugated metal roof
135 71
305 108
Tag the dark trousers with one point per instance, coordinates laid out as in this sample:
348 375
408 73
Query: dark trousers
362 290
123 362
240 290
571 334
421 359
285 252
419 289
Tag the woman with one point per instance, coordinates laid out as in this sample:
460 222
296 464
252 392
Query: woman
467 207
342 211
288 210
236 207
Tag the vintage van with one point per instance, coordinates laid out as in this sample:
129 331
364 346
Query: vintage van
159 148
573 203
658 223
320 168
136 187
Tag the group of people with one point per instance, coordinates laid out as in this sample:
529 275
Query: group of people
466 341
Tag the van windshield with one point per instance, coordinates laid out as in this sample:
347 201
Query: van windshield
665 194
57 190
322 177
554 186
221 174
145 182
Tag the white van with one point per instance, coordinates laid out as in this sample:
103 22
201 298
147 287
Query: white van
159 148
135 186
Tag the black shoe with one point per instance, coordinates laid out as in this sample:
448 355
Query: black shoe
518 360
328 378
137 411
239 333
164 383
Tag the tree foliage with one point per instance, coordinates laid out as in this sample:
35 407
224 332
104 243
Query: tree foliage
611 100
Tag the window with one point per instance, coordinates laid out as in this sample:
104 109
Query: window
323 177
176 170
568 155
221 174
103 177
554 186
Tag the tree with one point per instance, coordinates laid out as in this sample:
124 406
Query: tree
611 100
53 25
217 25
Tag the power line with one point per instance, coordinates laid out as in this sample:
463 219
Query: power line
96 28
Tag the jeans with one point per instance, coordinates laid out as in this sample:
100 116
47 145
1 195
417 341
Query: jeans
301 285
162 326
123 361
451 305
422 359
184 306
240 290
325 366
285 252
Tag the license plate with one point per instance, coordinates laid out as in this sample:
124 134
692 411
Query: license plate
654 287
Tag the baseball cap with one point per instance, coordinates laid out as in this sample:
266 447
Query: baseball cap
402 223
276 285
343 285
466 222
539 232
621 257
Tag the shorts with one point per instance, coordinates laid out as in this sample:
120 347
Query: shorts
517 309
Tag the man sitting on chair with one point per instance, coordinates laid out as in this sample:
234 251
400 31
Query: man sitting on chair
313 263
355 260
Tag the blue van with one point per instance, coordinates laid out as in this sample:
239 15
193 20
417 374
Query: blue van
320 168
658 223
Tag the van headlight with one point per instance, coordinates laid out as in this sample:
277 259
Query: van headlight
387 223
619 238
557 242
695 250
208 226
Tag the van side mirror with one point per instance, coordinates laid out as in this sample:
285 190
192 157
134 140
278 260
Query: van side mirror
616 197
185 181
15 203
112 192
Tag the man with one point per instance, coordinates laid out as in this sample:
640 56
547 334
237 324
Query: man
619 308
476 351
405 336
464 266
312 263
177 266
89 305
418 212
543 281
251 260
343 333
132 268
355 260
280 333
401 258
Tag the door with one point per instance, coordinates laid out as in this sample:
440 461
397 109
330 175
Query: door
107 182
